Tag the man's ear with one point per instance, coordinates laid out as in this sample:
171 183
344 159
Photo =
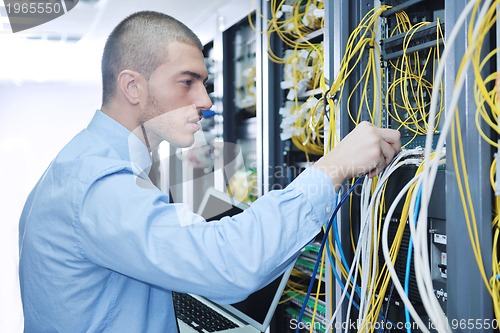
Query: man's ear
130 85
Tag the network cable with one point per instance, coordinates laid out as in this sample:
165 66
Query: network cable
408 262
415 103
323 241
420 243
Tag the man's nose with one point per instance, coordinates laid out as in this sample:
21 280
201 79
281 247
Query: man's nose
203 100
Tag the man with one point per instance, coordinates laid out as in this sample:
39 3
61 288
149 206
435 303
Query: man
101 248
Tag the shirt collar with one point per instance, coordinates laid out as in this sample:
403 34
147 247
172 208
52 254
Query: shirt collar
125 143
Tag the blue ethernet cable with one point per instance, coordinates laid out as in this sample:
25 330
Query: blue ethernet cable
339 280
333 219
338 243
322 246
407 283
341 252
408 262
337 277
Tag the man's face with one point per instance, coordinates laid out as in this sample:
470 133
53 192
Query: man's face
176 96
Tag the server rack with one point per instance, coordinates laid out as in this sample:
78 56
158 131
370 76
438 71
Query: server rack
241 120
283 161
447 228
478 158
466 297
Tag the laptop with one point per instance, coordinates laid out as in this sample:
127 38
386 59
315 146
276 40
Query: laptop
253 314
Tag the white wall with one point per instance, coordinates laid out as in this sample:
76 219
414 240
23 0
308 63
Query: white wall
36 121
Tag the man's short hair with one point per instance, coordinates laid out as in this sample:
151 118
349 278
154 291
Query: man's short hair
138 43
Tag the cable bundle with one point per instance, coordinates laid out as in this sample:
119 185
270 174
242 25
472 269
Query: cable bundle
362 42
292 24
418 120
412 102
486 96
303 60
408 96
303 121
365 267
479 15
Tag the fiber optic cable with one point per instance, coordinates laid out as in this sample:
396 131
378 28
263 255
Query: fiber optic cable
361 40
372 312
354 269
355 266
363 98
323 241
484 25
487 100
420 241
322 265
477 35
291 24
338 278
306 123
416 121
390 256
414 88
388 260
408 262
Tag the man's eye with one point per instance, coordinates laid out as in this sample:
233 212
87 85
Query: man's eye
188 82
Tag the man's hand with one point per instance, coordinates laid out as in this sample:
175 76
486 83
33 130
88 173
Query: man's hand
365 150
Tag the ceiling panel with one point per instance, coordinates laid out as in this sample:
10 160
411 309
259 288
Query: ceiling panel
69 48
96 18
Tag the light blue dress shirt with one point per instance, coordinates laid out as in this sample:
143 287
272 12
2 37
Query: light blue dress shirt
101 248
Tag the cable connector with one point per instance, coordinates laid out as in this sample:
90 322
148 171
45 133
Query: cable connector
417 161
286 85
417 151
319 13
333 97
